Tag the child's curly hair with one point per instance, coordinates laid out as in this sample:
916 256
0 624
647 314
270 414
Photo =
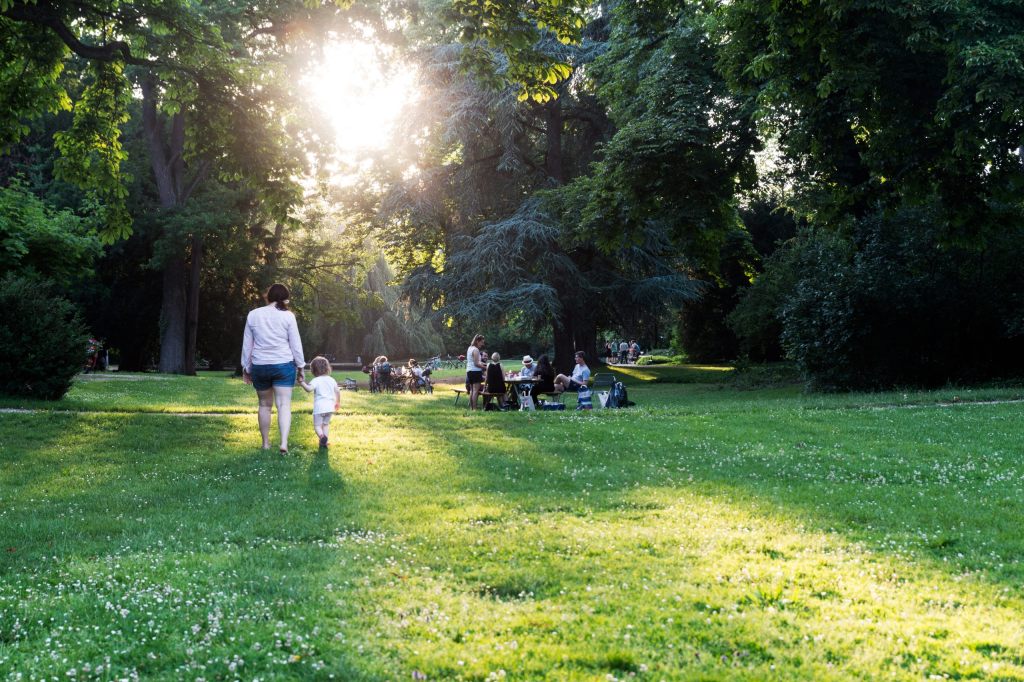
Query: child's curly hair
320 366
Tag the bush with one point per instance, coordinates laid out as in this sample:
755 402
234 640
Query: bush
661 360
44 340
894 304
757 318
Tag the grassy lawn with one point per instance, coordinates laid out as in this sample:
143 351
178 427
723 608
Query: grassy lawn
708 534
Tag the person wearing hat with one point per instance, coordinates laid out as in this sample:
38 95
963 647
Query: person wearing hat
527 371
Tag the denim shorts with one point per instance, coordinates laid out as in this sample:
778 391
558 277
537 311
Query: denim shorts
265 376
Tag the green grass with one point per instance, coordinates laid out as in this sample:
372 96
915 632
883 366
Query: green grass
708 533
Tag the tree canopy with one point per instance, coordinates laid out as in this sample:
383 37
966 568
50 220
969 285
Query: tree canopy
567 171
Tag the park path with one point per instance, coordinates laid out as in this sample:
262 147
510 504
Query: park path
914 406
28 410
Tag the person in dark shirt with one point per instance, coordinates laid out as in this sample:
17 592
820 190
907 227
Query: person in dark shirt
546 373
495 381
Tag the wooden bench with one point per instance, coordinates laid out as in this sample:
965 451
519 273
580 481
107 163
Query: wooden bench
487 395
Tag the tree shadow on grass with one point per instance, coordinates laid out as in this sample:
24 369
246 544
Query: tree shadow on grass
926 507
430 536
227 549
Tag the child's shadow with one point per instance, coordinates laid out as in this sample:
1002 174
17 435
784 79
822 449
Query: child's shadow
322 475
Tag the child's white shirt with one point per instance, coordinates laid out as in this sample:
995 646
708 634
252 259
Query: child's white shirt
324 391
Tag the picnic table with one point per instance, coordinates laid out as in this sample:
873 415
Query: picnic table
517 387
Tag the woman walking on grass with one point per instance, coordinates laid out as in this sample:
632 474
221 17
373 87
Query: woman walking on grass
271 358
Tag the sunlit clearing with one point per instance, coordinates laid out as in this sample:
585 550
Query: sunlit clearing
360 95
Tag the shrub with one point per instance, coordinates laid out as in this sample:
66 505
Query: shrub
757 318
894 304
661 360
44 340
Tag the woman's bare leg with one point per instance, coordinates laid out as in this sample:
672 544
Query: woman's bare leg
266 405
283 400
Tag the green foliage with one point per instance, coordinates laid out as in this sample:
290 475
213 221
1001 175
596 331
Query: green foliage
221 65
644 360
29 78
43 338
515 31
90 150
891 102
892 304
683 143
757 318
40 241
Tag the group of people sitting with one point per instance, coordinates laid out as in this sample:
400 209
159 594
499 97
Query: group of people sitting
488 377
384 377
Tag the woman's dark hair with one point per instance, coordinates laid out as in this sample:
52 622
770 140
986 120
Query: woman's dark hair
544 366
278 293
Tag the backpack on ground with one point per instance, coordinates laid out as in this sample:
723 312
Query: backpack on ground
618 396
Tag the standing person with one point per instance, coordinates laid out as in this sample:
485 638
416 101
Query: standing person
580 375
326 396
475 366
634 351
546 373
608 353
271 358
623 351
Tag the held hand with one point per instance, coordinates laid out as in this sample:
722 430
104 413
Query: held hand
246 377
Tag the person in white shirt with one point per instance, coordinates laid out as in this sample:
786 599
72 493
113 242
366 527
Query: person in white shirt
580 375
475 366
527 371
271 358
417 371
326 396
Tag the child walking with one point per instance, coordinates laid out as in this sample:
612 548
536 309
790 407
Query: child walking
326 396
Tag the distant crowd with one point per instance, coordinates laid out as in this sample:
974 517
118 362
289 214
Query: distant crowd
623 351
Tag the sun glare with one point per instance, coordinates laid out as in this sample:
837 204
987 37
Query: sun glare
360 95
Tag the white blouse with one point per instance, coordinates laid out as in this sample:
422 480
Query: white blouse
271 338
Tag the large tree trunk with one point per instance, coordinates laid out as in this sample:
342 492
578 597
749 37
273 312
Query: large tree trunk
584 334
553 149
173 317
180 304
565 346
